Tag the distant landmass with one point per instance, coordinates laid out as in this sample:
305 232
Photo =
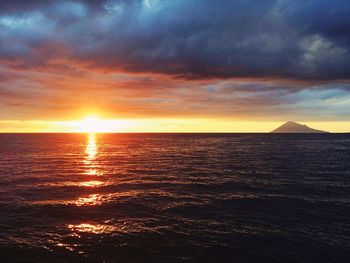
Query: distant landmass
294 127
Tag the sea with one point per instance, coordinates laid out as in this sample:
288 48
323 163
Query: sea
175 198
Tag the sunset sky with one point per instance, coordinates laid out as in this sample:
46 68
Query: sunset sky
174 65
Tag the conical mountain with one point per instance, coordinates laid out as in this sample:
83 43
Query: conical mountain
294 127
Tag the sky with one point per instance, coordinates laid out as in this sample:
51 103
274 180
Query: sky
174 65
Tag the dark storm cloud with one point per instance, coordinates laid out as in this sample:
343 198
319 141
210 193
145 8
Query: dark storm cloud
185 38
17 6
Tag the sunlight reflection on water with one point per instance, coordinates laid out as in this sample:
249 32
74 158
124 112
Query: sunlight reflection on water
93 172
92 228
91 183
94 199
91 148
91 152
90 162
91 165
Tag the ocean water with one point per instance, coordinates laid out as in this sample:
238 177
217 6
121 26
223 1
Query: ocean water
174 198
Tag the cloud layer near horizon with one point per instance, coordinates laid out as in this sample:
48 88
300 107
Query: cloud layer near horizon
243 59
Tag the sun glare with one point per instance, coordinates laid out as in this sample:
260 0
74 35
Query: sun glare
93 124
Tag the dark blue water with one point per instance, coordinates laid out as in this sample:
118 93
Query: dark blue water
174 198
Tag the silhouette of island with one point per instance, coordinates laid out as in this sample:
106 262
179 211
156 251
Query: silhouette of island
294 127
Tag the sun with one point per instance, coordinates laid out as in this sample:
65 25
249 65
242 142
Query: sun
93 124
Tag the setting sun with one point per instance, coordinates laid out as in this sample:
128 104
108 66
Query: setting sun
93 124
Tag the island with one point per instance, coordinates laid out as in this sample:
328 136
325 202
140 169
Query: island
294 127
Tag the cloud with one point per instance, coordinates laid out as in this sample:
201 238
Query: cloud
271 59
189 39
46 95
